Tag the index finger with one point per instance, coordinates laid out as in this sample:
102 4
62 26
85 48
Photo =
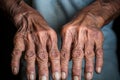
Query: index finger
65 54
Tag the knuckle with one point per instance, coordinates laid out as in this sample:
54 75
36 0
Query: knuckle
81 30
54 54
52 32
16 52
99 52
19 45
30 54
67 29
42 56
89 53
77 53
42 32
68 35
42 36
18 37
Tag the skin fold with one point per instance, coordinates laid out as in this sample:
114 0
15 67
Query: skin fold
81 39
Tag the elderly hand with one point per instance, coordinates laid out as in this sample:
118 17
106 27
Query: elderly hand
38 41
82 39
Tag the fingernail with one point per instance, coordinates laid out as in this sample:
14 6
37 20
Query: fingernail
15 70
99 69
75 78
56 76
63 75
89 76
43 78
32 77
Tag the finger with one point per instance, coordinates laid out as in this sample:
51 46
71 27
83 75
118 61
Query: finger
77 56
17 53
89 59
65 54
99 53
54 56
30 58
42 56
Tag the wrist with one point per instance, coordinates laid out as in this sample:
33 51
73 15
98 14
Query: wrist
19 9
19 12
14 7
99 20
104 11
10 6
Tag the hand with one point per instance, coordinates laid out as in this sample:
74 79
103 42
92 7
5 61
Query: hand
82 38
39 42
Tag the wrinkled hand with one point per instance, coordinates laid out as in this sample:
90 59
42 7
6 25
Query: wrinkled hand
39 43
82 38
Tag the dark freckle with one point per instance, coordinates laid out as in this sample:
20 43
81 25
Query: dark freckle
63 55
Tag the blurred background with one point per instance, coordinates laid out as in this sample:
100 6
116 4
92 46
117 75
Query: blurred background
7 32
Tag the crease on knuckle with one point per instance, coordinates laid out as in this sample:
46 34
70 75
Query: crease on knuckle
89 54
16 52
30 55
99 52
42 56
54 54
77 53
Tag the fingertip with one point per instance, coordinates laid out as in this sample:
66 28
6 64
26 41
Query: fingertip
89 75
56 76
15 70
43 78
98 69
64 72
75 78
63 75
31 76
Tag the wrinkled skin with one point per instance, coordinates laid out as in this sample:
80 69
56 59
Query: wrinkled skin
39 43
82 39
